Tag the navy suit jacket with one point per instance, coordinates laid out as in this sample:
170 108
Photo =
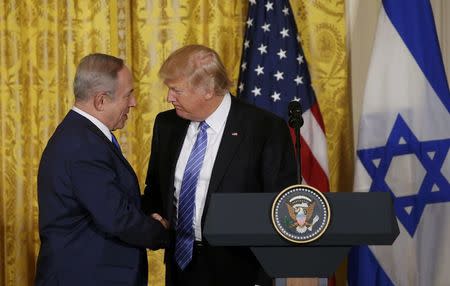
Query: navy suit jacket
256 154
91 226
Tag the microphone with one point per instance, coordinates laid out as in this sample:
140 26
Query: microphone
295 114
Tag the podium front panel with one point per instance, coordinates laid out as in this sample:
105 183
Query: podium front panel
244 219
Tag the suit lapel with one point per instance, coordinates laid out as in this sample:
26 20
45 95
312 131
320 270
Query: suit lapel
231 139
91 126
175 144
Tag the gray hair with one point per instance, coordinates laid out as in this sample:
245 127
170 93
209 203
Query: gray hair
95 73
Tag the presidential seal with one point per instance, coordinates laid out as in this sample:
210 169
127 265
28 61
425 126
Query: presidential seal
300 214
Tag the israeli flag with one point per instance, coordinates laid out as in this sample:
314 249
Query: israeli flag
403 149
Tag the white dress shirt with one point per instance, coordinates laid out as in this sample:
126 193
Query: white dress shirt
94 120
216 122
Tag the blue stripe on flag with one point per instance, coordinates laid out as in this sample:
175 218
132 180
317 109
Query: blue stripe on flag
427 56
366 269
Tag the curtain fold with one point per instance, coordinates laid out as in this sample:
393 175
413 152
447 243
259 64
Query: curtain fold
42 41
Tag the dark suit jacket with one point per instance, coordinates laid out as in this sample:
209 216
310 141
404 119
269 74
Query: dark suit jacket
91 226
256 154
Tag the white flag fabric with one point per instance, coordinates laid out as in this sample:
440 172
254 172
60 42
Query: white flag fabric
403 149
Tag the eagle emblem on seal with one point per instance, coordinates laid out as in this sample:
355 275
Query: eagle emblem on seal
301 211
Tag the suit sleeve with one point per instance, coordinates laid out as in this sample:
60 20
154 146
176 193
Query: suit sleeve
279 169
114 211
152 200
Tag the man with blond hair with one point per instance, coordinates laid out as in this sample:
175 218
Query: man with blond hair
211 142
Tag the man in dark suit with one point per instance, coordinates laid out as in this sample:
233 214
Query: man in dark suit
91 226
210 142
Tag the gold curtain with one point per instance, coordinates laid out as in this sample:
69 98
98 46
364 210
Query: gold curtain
42 41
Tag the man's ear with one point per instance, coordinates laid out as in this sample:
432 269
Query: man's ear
99 101
209 89
209 93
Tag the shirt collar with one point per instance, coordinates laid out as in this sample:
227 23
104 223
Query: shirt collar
105 130
218 118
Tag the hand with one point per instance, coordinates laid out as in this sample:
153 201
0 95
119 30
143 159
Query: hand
159 218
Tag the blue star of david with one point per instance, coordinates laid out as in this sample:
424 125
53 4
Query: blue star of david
433 165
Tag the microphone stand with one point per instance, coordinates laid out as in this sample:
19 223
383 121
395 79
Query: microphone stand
295 122
298 154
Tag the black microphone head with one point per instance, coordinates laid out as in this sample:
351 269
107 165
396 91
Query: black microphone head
295 114
294 107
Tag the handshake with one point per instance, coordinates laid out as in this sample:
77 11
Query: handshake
162 220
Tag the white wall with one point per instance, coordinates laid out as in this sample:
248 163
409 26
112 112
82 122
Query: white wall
362 17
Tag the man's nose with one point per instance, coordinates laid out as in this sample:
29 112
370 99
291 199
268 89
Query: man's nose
133 101
170 96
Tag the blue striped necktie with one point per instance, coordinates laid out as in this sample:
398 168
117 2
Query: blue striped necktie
186 202
115 142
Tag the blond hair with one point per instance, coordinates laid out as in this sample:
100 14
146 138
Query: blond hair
199 65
